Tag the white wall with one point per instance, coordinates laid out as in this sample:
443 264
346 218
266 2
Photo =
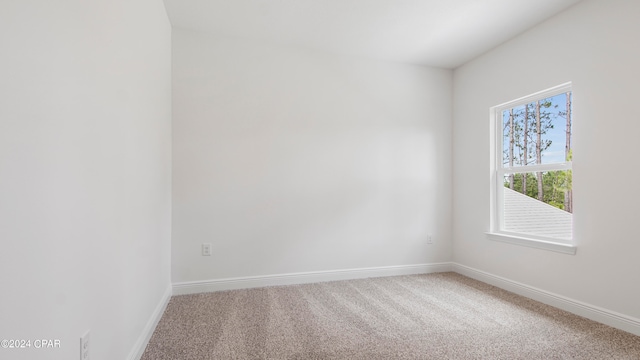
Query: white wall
85 173
291 161
593 44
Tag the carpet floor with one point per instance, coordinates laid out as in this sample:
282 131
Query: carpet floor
432 316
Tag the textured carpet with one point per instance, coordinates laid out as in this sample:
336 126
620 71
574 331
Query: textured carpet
434 316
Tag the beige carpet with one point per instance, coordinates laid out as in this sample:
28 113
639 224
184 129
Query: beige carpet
434 316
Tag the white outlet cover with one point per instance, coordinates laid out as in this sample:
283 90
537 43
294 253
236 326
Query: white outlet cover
84 347
206 249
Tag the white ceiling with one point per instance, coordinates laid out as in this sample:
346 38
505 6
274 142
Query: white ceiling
440 33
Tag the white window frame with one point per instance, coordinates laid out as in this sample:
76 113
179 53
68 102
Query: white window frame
498 171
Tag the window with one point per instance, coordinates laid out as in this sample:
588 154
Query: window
532 197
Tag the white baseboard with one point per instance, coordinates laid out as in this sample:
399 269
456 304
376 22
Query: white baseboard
588 311
143 339
193 287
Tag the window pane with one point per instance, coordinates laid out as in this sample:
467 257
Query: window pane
538 132
543 208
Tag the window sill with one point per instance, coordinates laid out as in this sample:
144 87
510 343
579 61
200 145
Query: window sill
534 243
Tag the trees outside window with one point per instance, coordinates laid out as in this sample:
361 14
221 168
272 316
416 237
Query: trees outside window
534 177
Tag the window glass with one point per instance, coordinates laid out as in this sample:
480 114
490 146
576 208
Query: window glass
534 194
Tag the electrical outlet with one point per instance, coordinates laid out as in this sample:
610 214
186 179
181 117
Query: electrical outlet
84 346
206 249
429 239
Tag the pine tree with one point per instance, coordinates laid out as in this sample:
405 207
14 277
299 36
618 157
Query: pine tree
525 147
568 195
539 149
511 145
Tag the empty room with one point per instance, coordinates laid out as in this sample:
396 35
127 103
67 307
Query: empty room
319 179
